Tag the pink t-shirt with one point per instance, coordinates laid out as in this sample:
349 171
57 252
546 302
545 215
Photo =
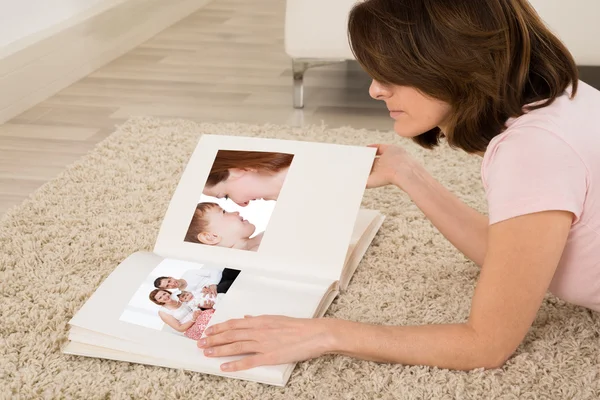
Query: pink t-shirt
549 159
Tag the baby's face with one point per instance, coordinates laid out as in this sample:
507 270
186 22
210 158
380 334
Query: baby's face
230 226
187 296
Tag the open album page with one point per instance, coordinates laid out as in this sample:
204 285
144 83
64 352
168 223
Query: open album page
366 227
158 308
269 205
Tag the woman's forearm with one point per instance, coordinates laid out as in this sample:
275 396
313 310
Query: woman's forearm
451 346
185 326
463 226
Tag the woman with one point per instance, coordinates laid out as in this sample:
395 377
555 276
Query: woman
243 176
179 315
492 80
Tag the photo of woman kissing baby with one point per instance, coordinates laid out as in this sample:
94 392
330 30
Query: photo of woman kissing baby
238 198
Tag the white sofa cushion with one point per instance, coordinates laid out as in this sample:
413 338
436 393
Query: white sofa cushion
318 29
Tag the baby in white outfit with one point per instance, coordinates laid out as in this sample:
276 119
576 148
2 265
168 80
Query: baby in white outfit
199 299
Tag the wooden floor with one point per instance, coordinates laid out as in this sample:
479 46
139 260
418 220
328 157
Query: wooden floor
226 62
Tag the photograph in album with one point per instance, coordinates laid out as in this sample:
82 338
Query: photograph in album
179 297
238 198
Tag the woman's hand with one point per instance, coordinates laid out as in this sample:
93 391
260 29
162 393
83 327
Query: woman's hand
208 304
273 340
391 163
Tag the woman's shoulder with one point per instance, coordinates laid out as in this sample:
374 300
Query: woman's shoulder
541 161
568 125
525 139
573 121
539 146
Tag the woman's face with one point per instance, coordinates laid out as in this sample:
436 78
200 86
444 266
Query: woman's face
243 186
162 297
413 112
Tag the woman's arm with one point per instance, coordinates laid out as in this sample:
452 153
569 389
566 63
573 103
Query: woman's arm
522 256
463 226
174 323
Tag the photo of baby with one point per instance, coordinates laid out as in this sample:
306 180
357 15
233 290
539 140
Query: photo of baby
201 300
238 198
180 297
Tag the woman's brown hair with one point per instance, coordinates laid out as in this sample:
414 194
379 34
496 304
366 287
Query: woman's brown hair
487 59
260 160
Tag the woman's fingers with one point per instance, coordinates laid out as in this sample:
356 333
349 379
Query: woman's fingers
248 362
263 321
264 340
224 338
242 323
232 349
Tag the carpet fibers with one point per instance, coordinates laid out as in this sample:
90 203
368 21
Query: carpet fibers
60 244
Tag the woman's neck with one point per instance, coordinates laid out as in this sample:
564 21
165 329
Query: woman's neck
172 304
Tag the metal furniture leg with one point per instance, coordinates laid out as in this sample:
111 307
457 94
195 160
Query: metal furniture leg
299 67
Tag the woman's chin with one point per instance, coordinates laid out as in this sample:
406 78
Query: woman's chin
406 132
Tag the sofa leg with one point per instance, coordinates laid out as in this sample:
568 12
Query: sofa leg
299 68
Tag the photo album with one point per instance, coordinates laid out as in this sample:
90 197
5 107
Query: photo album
255 226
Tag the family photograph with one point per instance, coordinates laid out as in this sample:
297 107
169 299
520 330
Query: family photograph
180 297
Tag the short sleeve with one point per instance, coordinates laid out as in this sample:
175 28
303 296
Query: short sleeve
533 170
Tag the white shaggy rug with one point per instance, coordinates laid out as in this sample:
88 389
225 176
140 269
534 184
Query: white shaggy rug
69 235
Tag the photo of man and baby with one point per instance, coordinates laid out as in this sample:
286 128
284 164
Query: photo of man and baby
238 198
180 297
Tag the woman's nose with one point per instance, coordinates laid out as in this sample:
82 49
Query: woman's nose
378 91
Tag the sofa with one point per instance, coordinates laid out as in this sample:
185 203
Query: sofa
316 33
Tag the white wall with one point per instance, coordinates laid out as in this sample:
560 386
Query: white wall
21 18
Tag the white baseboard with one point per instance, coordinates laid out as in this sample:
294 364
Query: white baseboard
39 66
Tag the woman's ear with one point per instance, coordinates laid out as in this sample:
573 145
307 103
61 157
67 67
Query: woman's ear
209 238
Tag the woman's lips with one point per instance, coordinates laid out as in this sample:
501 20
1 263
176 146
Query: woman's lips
396 113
